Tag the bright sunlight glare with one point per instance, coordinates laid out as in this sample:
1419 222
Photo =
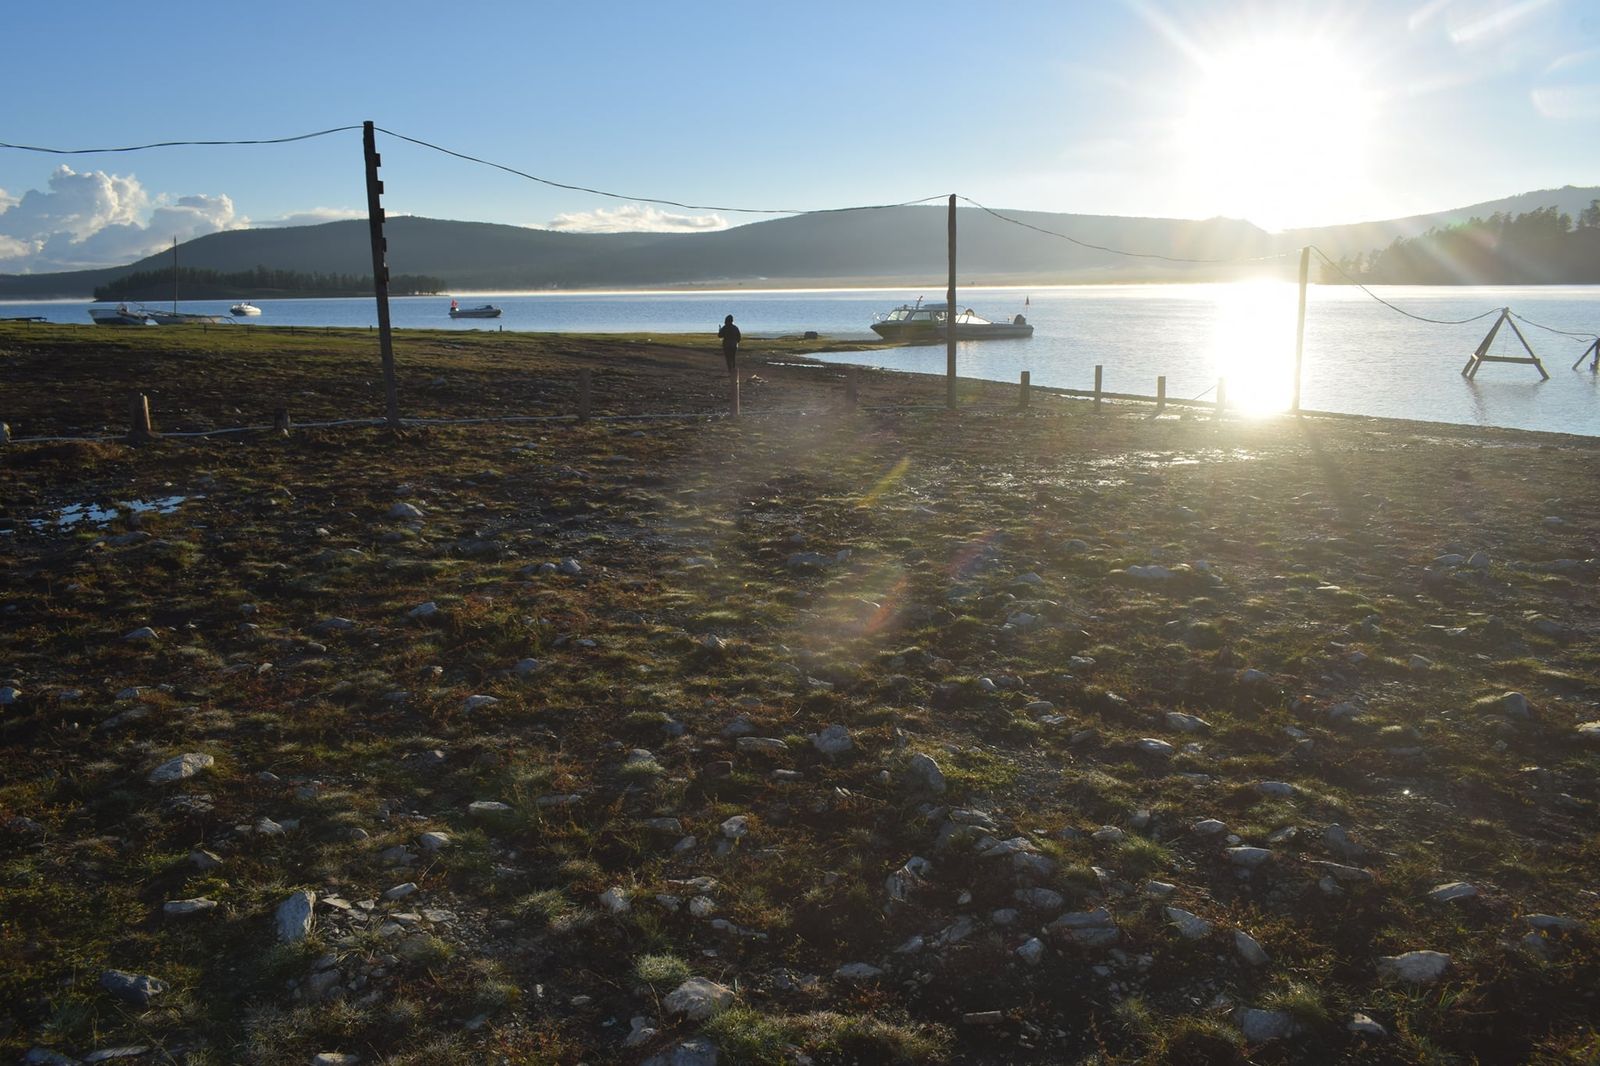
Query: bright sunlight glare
1277 131
1252 344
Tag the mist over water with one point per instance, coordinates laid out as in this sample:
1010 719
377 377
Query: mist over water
1360 357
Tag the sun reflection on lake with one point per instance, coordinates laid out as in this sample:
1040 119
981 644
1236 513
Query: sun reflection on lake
1252 344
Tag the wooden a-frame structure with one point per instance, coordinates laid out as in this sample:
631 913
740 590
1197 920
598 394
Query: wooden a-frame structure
1482 355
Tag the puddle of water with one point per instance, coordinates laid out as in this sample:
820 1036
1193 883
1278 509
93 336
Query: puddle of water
75 514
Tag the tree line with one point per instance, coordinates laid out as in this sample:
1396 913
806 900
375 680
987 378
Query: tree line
200 284
1542 247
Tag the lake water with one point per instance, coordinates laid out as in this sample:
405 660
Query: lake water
1360 357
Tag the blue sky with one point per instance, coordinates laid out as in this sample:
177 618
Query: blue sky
1285 113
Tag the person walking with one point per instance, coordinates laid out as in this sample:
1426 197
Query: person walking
730 343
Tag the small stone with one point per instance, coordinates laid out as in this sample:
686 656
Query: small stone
135 988
1154 746
570 567
472 703
736 827
1186 723
184 908
525 667
401 891
762 745
698 999
1414 967
1362 1025
334 1058
834 740
204 860
1589 732
1249 948
615 900
1260 1026
1276 789
1209 827
1553 923
1159 889
857 971
923 773
183 767
641 1030
9 695
1032 951
432 842
1190 926
695 1052
423 611
294 916
1248 857
405 511
1453 891
983 1017
142 635
490 809
1516 705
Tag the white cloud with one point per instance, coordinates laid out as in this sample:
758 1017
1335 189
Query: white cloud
313 217
96 219
634 218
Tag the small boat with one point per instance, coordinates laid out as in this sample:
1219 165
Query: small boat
928 322
486 311
120 316
244 310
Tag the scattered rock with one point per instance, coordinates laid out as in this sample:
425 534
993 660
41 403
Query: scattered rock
489 809
135 988
1186 723
1248 857
423 611
1362 1025
183 767
184 908
1249 948
142 635
1453 891
1155 746
736 827
615 900
1032 951
1260 1026
834 740
762 745
1190 926
696 1052
698 999
857 971
1414 967
294 916
472 703
924 774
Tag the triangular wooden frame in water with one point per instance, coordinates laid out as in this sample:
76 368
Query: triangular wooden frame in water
1482 355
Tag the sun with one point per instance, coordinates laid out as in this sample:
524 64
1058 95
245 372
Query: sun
1276 130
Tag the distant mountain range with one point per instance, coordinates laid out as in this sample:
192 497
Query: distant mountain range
898 247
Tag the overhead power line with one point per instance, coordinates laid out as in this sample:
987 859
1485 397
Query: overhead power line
1115 251
651 199
174 144
1420 318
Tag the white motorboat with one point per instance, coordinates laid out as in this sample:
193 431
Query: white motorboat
182 318
929 322
120 315
485 311
244 310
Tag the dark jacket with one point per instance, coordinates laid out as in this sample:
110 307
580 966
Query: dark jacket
730 336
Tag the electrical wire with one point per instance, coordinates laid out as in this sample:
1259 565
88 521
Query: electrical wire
1114 251
173 144
650 199
1420 318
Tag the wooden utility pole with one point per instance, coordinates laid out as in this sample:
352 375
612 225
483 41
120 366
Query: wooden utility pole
950 317
1300 328
380 274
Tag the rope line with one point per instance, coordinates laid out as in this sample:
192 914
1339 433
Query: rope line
173 144
1114 251
1420 318
650 199
1552 329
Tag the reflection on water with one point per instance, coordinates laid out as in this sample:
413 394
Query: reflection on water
74 514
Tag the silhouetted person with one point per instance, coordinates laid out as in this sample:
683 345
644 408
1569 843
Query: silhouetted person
730 343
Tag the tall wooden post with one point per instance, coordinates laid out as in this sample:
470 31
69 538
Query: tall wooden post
1099 369
380 274
1022 395
950 316
1161 392
585 393
139 417
1594 350
1300 329
852 386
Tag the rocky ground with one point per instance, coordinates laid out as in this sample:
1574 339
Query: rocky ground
830 735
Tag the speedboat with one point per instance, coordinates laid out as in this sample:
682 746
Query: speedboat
245 309
485 311
120 316
929 322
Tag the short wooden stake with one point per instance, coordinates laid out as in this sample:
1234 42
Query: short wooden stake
139 417
1099 371
1161 393
852 386
585 393
1222 395
5 430
1022 397
733 395
1594 350
281 422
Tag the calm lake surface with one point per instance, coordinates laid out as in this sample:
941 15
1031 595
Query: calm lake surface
1360 357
